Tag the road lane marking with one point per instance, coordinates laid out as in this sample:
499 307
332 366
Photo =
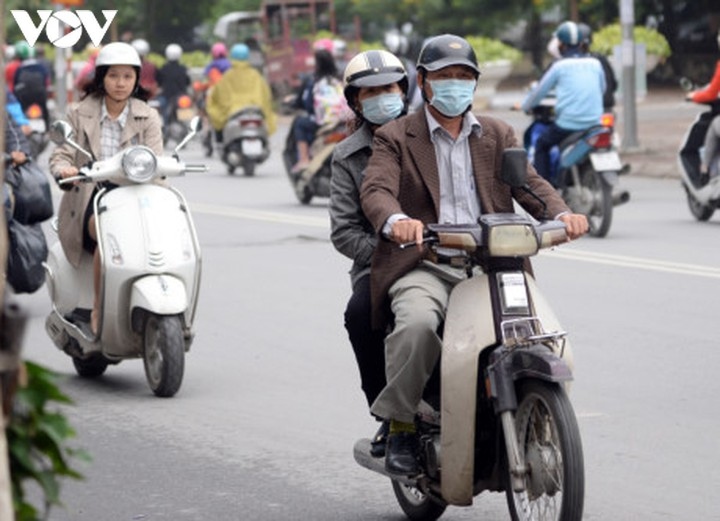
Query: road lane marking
636 262
260 215
570 254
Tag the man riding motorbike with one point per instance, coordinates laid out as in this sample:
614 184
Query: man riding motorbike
376 85
579 84
239 87
437 165
173 80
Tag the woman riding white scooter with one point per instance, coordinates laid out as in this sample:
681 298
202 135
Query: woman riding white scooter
111 117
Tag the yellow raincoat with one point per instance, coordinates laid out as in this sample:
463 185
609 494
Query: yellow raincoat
240 86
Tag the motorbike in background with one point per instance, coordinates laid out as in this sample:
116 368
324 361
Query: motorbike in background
150 268
181 111
314 180
701 188
585 167
245 140
38 138
504 421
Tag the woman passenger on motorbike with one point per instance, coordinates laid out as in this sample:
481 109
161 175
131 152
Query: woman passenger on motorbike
305 126
376 86
112 116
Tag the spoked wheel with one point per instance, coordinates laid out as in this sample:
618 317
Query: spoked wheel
593 198
417 505
90 367
700 211
164 354
549 442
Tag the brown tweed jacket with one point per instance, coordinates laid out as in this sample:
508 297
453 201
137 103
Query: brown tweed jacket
402 177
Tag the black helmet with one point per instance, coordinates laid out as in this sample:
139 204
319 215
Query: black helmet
445 50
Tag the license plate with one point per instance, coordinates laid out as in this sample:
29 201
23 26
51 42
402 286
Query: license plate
37 125
252 147
606 161
185 114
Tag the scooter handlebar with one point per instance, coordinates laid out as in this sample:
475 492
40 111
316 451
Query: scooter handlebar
196 168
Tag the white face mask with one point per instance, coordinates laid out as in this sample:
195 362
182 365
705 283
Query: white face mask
452 97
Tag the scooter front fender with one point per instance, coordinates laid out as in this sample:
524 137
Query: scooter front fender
159 294
469 328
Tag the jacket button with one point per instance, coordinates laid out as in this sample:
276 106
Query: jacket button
72 213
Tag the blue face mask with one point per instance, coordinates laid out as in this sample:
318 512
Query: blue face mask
382 108
452 97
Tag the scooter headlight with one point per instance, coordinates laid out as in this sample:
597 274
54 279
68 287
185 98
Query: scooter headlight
139 164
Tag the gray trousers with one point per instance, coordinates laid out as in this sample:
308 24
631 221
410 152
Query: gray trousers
712 146
419 301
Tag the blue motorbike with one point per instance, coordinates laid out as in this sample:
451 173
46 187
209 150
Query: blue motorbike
585 167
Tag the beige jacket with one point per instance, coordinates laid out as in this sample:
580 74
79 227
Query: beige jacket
143 127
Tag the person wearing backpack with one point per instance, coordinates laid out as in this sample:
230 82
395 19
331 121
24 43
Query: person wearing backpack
321 95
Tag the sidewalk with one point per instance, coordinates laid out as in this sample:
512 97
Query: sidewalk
662 120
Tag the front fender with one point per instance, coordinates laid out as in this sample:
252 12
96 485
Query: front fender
160 294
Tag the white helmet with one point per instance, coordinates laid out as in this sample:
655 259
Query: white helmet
173 52
141 46
117 53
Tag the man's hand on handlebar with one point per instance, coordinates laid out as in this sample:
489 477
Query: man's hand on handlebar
576 225
408 230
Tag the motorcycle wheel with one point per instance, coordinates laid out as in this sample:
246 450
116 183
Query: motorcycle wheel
416 505
700 211
593 198
163 354
550 445
249 168
91 367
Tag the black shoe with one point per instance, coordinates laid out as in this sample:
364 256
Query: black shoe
401 454
379 441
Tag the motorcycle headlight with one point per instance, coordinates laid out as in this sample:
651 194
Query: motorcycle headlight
139 164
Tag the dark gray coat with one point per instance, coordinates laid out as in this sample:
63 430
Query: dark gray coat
350 231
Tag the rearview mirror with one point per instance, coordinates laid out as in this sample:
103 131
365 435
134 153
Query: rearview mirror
60 131
514 167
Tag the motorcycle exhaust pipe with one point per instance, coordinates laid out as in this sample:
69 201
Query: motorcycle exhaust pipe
620 197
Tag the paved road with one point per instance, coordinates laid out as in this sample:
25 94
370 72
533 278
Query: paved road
263 426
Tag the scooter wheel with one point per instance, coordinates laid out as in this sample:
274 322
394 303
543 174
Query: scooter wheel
416 505
163 354
700 211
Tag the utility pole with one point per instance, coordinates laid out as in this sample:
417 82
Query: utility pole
627 21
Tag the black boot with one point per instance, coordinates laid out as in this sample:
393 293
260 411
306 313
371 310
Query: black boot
379 441
401 455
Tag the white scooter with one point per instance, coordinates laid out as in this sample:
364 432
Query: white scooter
150 269
504 421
